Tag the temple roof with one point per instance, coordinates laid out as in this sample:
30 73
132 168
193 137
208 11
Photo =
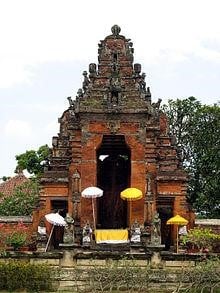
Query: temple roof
115 84
7 187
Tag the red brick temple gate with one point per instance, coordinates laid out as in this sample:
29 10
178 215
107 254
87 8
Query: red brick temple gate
113 136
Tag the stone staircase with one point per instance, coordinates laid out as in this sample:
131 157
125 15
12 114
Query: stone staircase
111 247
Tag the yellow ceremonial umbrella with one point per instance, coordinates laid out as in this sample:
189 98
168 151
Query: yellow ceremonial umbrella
131 194
177 220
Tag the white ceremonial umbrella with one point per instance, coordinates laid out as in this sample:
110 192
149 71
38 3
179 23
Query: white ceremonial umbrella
56 220
92 192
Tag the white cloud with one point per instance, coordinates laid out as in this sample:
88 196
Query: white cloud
177 43
209 54
34 32
45 108
18 129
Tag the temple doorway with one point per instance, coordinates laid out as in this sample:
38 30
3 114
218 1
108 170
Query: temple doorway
165 208
113 176
60 206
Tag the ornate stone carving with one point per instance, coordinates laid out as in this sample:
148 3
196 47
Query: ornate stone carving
71 103
68 237
137 69
114 126
148 200
135 232
143 83
129 51
156 109
87 234
76 189
156 230
156 105
100 50
41 236
148 94
115 68
55 141
80 93
76 179
86 81
72 108
92 70
115 30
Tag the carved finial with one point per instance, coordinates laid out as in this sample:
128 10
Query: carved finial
92 69
86 81
148 94
70 101
80 93
137 69
142 82
115 30
157 104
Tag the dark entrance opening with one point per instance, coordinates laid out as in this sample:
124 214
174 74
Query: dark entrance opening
113 176
165 208
60 206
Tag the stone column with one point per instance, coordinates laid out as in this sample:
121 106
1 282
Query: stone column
76 194
148 202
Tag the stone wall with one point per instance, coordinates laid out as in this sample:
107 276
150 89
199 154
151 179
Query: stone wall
73 267
213 224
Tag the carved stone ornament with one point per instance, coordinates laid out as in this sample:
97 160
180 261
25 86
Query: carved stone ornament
148 94
142 82
86 81
114 126
137 69
92 70
115 30
80 93
149 193
76 181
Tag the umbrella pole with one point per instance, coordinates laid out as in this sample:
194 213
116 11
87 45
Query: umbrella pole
130 216
93 213
51 232
177 239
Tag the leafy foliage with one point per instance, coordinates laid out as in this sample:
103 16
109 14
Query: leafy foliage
197 131
16 237
181 115
18 275
201 238
205 184
127 276
23 200
5 178
203 278
33 161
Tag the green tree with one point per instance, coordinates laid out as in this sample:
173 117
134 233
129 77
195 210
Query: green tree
181 115
22 201
33 161
205 184
5 178
197 131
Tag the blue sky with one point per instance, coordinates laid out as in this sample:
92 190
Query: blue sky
46 45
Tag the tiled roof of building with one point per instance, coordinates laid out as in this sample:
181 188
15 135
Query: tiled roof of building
7 187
